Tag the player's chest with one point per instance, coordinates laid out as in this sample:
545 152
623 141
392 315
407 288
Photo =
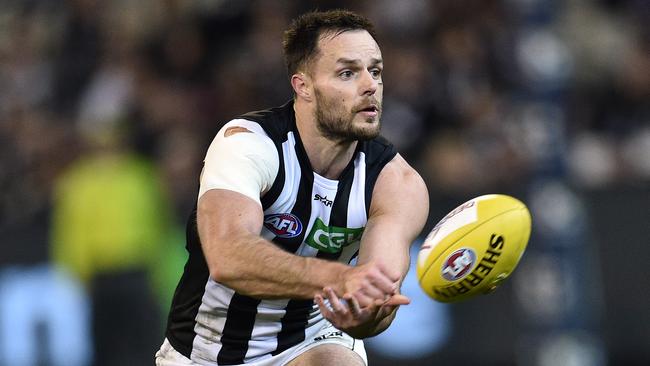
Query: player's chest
321 218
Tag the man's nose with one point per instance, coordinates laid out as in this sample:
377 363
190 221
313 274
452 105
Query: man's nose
369 84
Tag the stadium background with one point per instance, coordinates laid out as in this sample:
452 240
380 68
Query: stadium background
106 109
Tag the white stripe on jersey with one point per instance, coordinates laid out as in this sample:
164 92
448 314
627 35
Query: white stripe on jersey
292 174
356 217
210 321
324 188
267 326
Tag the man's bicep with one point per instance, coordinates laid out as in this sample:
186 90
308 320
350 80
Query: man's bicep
224 214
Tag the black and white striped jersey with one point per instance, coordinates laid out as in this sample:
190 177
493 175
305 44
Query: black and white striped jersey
305 214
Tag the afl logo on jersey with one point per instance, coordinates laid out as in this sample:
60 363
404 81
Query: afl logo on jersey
458 264
283 225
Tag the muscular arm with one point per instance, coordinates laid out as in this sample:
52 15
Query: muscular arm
398 212
229 225
240 164
399 209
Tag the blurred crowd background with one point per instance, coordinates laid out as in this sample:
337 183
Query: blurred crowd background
107 109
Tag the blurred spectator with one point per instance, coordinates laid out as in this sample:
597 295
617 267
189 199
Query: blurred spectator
111 222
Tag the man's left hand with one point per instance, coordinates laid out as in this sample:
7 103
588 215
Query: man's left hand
349 317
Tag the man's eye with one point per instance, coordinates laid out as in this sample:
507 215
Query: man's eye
346 74
376 73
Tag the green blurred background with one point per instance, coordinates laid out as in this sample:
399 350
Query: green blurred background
107 108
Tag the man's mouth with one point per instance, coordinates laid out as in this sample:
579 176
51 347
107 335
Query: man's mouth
369 111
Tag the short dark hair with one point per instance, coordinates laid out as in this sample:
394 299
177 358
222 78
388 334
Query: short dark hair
301 39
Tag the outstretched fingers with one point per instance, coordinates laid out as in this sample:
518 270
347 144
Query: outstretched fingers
336 308
335 302
355 308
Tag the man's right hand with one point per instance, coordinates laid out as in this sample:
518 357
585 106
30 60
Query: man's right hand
369 283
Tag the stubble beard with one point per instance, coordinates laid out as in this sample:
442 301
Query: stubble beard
336 124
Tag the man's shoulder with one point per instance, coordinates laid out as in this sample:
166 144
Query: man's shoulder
275 121
262 115
378 151
399 179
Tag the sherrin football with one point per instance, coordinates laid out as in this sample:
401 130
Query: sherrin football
473 248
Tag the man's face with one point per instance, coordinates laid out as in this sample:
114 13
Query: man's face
348 86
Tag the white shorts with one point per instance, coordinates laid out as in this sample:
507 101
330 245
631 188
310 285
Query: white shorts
168 356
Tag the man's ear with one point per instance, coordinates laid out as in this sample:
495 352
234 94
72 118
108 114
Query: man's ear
301 84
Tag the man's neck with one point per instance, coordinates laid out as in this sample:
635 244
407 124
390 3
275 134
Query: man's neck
328 157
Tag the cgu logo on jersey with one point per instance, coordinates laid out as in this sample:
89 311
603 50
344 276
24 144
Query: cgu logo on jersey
332 239
283 225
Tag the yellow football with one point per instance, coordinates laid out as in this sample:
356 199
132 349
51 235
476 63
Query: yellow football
473 248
